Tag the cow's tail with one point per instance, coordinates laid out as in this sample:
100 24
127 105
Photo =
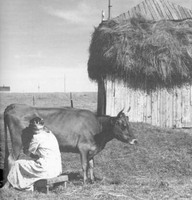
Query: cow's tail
6 164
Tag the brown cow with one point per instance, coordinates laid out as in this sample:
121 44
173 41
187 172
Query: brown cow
77 130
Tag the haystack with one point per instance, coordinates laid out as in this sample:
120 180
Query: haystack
144 54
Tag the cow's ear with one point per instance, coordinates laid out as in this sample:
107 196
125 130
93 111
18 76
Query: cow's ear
113 120
127 118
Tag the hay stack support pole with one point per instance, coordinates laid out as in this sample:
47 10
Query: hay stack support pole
109 10
101 98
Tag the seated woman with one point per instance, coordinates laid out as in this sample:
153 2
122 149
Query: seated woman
44 162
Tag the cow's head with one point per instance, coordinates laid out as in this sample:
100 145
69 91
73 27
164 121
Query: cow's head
122 129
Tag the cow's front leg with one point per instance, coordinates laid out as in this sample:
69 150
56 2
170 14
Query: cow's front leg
91 166
8 165
84 164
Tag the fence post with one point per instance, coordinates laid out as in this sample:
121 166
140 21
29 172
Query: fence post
33 100
71 99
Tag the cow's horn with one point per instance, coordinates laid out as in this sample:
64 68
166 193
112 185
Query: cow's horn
119 114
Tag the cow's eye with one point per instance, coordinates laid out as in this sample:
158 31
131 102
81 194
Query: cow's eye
123 127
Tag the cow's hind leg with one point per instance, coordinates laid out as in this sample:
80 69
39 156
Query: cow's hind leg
84 164
10 163
15 130
91 167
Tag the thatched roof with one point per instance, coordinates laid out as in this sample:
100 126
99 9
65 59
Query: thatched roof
144 54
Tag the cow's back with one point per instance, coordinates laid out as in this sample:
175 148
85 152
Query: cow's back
19 112
70 125
56 118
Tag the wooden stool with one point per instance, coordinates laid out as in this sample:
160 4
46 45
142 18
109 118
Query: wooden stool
51 181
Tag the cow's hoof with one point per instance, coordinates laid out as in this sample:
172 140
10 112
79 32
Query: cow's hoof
86 182
92 181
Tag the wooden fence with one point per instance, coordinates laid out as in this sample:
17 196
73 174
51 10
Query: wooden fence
161 108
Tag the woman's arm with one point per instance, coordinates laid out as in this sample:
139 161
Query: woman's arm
33 146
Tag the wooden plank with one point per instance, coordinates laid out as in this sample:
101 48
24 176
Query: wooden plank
155 9
150 10
191 103
168 10
175 107
184 12
144 108
163 10
174 10
160 13
154 109
119 97
136 105
131 94
46 183
113 99
164 109
179 104
175 97
140 107
149 108
158 107
171 109
59 179
144 8
161 109
186 107
143 99
138 9
168 109
172 115
108 96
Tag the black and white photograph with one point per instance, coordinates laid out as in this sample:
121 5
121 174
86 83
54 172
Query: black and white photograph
96 99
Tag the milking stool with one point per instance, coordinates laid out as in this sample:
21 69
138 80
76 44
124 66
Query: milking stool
51 182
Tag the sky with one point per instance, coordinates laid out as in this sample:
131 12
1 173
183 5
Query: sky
44 44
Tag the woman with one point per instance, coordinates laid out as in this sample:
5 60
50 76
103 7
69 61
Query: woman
44 162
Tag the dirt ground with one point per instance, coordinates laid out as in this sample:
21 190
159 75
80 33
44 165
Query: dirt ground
158 168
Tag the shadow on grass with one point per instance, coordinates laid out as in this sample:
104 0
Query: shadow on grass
77 179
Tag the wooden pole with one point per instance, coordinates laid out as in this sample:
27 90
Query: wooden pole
109 10
101 98
33 100
71 99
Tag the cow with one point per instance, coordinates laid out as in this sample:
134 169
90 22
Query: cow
77 130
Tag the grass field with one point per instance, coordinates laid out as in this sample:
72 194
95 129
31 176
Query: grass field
159 167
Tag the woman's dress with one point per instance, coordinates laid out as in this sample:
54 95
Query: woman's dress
24 173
